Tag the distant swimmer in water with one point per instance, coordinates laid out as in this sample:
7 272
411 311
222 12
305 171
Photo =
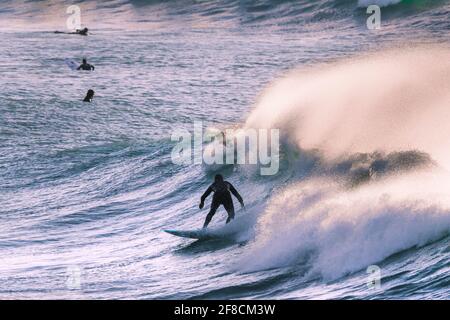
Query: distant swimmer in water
86 66
89 96
222 196
82 32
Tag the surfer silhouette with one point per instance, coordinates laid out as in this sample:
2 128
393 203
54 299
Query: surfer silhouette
222 196
89 96
86 66
81 32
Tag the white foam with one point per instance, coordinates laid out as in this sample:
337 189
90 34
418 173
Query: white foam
340 231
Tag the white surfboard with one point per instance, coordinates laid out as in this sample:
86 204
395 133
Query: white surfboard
240 229
192 234
73 65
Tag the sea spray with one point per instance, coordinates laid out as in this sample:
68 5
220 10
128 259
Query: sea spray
349 112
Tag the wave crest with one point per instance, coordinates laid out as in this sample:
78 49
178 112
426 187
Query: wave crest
338 231
385 133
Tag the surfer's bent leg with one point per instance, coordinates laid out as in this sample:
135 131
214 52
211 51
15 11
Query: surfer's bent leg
212 211
230 209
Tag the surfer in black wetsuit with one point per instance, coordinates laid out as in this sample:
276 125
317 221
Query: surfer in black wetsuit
89 96
222 196
86 66
81 32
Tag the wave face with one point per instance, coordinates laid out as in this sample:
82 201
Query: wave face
364 166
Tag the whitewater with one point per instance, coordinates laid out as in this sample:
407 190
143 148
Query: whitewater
364 174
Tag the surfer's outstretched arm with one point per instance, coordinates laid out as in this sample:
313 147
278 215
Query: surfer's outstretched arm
204 196
236 194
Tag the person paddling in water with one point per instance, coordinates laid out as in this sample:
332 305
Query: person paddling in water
86 66
222 196
81 32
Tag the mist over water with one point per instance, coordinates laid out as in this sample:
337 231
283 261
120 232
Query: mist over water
364 164
342 108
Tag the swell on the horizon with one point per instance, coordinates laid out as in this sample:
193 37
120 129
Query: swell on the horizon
176 14
344 112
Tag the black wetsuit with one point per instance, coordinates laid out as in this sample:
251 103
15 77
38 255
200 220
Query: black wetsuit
86 66
222 196
89 96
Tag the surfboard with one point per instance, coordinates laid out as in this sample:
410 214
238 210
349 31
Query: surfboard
191 234
72 64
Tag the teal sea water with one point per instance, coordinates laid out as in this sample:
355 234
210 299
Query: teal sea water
86 189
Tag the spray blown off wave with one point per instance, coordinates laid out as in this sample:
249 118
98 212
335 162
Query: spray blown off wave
390 101
352 113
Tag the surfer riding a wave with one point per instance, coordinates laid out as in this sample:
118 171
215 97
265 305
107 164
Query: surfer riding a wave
222 196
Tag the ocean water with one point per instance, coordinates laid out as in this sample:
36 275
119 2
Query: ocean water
363 184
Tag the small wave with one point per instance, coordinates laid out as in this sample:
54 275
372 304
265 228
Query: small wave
382 3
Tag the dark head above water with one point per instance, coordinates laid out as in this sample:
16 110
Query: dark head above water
89 96
218 178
